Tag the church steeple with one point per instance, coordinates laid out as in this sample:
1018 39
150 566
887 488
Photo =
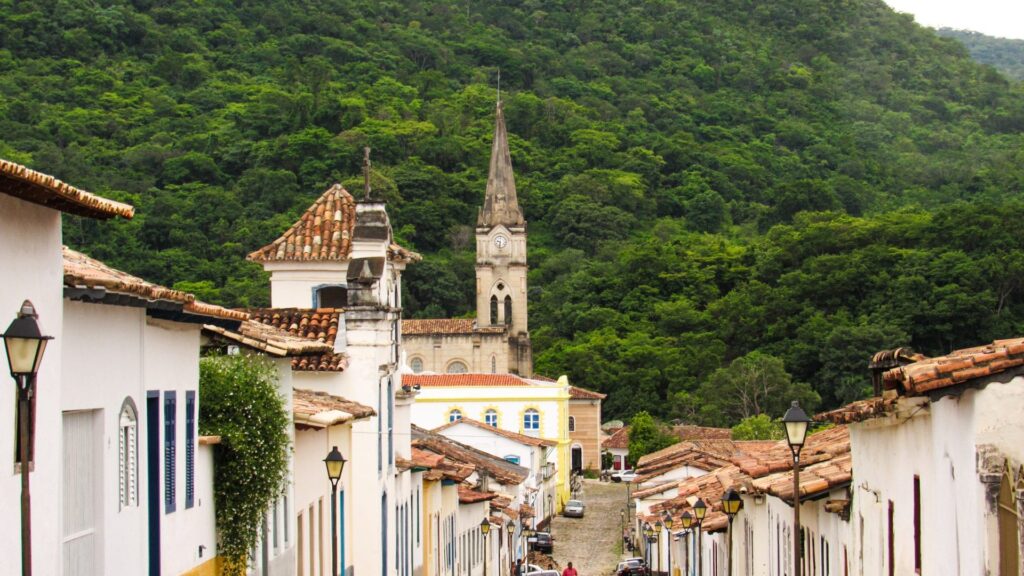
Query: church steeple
501 206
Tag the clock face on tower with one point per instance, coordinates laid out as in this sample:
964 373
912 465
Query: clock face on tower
500 241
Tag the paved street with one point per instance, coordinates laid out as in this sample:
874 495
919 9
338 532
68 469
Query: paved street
592 543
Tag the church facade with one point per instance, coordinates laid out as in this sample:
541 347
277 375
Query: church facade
497 341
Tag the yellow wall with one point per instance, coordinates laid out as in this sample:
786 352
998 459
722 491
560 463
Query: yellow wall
209 568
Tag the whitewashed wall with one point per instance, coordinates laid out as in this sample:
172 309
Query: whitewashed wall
292 283
30 256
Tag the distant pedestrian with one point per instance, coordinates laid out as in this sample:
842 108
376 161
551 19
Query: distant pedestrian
569 571
519 567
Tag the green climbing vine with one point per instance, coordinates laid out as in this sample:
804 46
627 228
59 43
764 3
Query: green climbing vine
239 402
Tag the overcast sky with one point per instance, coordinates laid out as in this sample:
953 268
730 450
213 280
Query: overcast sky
1001 18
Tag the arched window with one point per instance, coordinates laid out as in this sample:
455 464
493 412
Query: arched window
572 423
508 309
494 365
416 364
128 455
331 296
531 420
457 367
494 310
491 418
455 415
1009 538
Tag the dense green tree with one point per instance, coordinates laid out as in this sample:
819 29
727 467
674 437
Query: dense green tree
647 435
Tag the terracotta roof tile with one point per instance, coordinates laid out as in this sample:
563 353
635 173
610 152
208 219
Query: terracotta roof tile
81 271
431 326
320 324
618 440
515 436
459 380
859 411
960 366
458 454
270 339
21 182
469 496
323 232
577 393
425 459
320 409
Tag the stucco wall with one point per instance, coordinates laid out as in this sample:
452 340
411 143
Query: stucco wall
476 351
292 283
587 414
30 255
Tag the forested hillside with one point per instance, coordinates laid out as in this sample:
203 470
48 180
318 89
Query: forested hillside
1004 54
721 193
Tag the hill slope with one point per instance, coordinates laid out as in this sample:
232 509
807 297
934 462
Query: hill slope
656 146
1004 54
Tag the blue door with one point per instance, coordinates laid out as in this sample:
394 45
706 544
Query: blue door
153 474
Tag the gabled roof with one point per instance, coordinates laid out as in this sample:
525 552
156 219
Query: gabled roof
469 496
430 326
317 409
21 182
503 471
319 324
577 393
702 454
514 436
825 464
270 340
459 380
323 232
957 367
619 439
90 280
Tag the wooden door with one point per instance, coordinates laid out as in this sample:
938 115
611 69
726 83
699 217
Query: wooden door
81 482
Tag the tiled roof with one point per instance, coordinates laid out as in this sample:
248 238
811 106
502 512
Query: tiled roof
655 490
957 367
515 436
319 324
503 505
269 339
323 232
618 439
83 272
320 409
577 393
469 496
860 410
425 459
825 464
703 454
458 380
429 326
456 453
21 182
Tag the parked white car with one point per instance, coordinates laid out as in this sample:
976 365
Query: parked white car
573 509
624 476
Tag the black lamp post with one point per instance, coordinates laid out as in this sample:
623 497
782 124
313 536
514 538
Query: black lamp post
700 509
335 464
687 522
25 344
648 535
657 532
796 423
485 529
667 520
731 503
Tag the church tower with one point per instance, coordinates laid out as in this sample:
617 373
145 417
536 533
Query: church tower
501 255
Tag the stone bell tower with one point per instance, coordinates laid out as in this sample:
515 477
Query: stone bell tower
501 291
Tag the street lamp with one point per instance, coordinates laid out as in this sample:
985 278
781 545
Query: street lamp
25 344
731 503
796 423
667 519
687 522
648 534
485 529
700 509
335 463
657 532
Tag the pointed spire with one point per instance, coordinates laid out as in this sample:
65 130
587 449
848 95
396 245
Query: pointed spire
501 205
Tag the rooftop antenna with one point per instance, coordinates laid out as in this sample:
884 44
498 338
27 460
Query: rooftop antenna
366 172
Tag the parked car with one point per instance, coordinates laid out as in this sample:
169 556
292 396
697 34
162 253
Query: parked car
573 509
546 573
624 476
642 562
631 567
542 542
532 568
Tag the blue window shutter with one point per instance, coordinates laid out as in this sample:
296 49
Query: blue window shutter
190 448
170 414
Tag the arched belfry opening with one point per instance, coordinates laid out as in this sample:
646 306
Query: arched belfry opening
494 310
508 310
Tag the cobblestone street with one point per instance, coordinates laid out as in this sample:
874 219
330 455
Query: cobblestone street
592 543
